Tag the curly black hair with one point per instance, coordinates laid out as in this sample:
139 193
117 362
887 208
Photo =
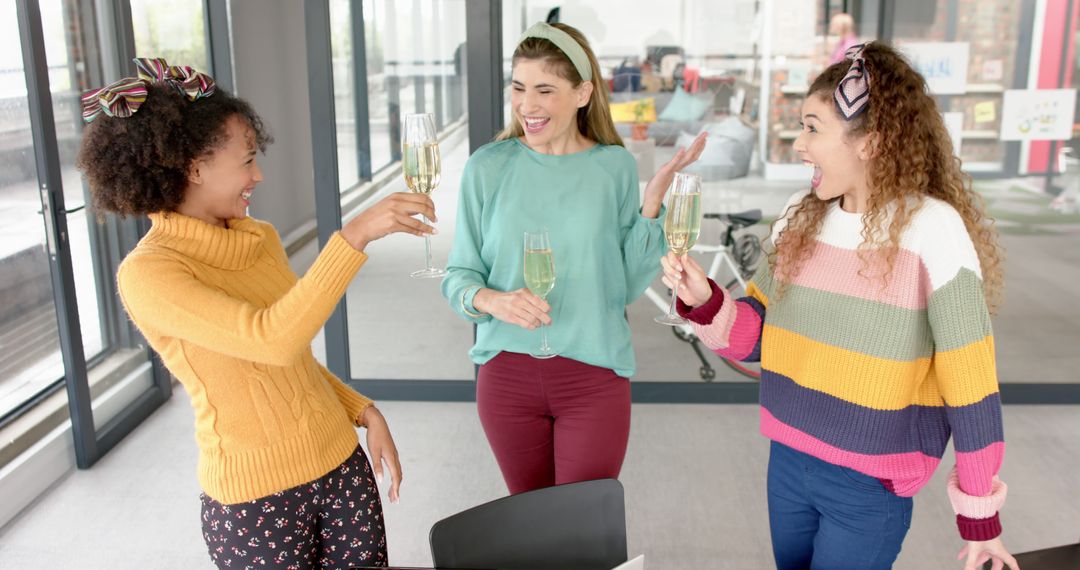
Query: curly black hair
139 164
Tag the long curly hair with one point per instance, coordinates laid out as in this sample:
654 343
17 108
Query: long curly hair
593 120
912 158
139 164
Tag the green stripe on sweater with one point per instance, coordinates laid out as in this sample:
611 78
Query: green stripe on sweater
859 325
958 313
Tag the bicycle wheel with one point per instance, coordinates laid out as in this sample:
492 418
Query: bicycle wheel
746 251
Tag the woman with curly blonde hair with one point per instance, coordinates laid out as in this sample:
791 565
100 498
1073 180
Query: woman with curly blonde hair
872 325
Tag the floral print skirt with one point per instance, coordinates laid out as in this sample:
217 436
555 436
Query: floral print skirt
332 522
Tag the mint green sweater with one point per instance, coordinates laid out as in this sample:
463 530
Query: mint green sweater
605 252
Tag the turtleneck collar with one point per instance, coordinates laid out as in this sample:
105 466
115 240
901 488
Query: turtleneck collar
233 248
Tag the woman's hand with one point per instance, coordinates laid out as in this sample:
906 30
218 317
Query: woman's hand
392 214
381 448
658 186
978 553
521 307
694 288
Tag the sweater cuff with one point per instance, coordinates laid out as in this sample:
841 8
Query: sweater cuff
704 314
979 529
658 220
973 506
354 402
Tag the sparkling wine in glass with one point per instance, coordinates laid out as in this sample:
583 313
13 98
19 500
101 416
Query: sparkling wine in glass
540 278
420 164
681 227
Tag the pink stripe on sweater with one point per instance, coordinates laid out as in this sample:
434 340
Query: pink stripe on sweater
830 269
715 334
907 472
734 330
976 469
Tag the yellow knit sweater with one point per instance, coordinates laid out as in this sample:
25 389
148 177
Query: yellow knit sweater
234 324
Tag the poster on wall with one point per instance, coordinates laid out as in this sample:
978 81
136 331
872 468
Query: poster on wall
943 64
1038 114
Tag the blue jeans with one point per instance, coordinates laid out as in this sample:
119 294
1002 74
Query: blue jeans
826 516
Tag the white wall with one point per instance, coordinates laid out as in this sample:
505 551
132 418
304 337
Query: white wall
270 71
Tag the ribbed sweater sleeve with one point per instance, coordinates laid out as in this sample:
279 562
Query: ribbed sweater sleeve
964 366
355 403
158 288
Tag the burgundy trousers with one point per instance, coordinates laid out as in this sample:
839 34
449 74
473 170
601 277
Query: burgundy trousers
553 421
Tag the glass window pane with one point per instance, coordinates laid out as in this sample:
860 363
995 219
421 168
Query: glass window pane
344 102
71 51
647 58
452 54
172 29
29 345
992 34
380 38
438 340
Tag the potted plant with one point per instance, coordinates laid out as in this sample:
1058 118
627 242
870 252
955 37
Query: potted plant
639 131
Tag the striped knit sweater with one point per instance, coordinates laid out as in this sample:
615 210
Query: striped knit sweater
875 374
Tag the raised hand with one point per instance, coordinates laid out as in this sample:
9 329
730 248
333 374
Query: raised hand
392 214
658 186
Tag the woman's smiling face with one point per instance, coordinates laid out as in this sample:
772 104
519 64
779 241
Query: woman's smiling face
545 104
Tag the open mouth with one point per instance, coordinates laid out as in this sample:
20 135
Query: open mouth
246 196
534 125
815 180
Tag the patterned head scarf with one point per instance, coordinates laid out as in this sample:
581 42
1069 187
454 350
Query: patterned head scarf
122 98
853 94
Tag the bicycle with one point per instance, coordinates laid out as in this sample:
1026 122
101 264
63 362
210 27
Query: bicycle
741 255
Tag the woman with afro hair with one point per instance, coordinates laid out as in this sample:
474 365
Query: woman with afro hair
285 482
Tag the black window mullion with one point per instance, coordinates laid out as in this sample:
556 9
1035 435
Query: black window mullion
216 19
360 91
50 186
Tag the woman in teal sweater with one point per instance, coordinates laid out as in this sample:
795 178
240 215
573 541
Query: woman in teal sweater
561 166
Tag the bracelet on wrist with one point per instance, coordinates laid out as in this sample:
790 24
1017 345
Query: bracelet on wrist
465 308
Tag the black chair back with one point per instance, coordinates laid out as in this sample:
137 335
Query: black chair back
578 526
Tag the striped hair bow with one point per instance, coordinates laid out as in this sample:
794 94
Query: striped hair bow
853 94
122 98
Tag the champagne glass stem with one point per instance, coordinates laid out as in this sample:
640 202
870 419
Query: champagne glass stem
543 339
427 246
674 296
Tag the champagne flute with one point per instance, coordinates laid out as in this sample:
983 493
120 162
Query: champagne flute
540 278
681 227
420 164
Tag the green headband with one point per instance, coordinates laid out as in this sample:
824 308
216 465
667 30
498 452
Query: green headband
564 42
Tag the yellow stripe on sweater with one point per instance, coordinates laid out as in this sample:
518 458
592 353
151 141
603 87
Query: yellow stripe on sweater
967 375
752 290
878 383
